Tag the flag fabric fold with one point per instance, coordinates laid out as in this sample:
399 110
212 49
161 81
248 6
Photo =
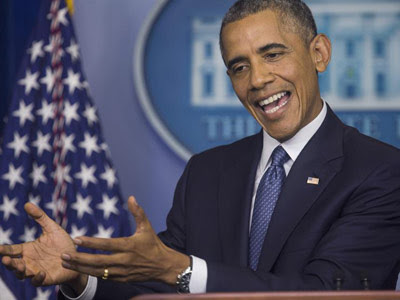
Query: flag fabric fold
52 151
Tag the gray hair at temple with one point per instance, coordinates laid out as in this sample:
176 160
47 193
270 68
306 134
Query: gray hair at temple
295 16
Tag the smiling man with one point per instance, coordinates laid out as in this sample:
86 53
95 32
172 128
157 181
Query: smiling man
274 70
307 204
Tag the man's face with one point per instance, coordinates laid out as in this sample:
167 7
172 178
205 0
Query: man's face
273 73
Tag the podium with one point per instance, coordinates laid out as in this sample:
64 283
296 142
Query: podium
319 295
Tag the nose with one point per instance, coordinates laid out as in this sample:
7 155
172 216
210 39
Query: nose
260 76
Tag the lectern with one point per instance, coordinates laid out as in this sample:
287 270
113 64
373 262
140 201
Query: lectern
321 295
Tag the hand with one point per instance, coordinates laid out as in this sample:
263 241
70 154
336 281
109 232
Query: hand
40 260
140 257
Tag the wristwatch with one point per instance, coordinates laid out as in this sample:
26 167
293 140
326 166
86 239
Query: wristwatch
183 279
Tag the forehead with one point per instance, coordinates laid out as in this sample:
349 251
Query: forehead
255 31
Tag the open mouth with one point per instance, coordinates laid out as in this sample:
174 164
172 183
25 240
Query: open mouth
274 102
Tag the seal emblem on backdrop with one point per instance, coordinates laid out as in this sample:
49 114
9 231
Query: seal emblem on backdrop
188 98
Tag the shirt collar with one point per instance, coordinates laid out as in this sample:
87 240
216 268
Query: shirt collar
295 145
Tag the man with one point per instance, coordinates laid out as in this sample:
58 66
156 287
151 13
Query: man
307 204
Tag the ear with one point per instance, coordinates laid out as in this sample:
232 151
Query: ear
320 48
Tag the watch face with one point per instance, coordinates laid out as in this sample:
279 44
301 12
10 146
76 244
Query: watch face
184 281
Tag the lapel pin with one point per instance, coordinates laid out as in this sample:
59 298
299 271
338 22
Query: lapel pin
313 180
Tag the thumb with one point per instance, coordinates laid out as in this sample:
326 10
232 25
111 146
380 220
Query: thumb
142 223
40 217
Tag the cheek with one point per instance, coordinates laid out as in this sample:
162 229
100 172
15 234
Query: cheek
240 89
303 83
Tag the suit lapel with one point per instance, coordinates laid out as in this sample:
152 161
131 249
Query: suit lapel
236 189
321 158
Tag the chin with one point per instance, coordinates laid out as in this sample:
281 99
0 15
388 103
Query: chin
281 135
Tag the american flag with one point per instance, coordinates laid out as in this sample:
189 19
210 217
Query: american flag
53 153
313 180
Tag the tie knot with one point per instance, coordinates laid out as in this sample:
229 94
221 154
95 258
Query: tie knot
279 156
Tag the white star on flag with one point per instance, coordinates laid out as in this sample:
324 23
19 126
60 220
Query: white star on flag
109 175
104 232
61 16
42 294
53 206
19 144
46 112
73 50
106 149
82 205
68 144
85 85
29 234
8 207
13 175
36 50
5 236
75 231
48 80
86 175
24 112
50 47
89 144
73 81
34 199
37 174
90 114
108 206
70 112
30 81
42 143
62 173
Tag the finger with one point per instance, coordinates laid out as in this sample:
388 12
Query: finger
90 260
142 223
89 270
47 224
16 265
13 264
11 250
113 245
115 264
19 275
8 263
38 279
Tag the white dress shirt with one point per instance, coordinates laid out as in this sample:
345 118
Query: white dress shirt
293 147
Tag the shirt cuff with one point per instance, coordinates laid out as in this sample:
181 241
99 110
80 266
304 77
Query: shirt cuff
87 294
198 280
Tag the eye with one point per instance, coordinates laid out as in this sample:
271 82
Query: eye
273 55
238 69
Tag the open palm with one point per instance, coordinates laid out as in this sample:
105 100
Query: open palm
41 259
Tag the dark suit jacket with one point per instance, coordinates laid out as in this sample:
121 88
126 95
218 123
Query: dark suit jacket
347 226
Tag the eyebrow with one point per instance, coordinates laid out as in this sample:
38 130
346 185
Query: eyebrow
234 61
271 46
262 49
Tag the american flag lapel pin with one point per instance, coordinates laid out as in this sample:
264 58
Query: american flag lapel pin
313 180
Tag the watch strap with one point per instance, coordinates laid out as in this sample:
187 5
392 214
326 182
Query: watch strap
183 279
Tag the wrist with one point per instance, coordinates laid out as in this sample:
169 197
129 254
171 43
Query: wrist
78 284
178 262
183 279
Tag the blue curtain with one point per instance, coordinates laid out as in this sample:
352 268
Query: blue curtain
17 19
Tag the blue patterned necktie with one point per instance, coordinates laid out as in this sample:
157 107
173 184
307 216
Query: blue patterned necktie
268 192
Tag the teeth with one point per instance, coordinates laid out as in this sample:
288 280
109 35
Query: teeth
272 110
271 99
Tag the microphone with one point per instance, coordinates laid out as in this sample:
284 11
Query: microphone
338 279
364 281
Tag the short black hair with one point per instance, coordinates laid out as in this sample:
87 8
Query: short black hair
294 14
